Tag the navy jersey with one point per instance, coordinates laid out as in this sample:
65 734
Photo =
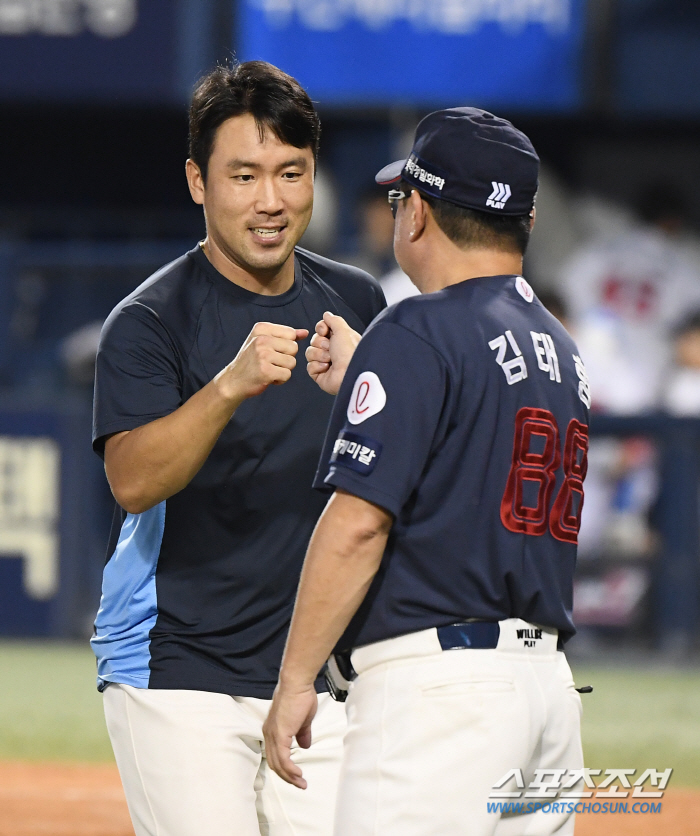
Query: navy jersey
464 413
198 591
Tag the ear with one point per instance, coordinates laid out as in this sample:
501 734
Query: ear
533 215
195 181
419 215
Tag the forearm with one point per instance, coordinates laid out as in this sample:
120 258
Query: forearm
155 461
342 559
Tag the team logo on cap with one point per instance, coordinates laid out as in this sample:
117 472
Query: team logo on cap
424 173
499 196
368 398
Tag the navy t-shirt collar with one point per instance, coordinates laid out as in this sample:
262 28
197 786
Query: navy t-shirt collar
238 292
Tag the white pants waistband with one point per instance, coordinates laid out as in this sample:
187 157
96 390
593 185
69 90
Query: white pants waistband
516 636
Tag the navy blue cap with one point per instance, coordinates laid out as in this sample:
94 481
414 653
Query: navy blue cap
472 158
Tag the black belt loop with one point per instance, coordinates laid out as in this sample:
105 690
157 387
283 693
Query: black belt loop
342 660
338 673
479 635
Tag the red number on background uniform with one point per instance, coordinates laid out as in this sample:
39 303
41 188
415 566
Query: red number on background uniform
540 468
528 465
564 521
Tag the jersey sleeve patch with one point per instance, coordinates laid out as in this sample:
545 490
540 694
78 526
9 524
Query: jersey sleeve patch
524 289
367 399
356 452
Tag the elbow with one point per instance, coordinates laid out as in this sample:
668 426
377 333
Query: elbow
129 483
373 529
132 499
135 507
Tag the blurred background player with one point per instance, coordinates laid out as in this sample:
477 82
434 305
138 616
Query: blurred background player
681 394
625 293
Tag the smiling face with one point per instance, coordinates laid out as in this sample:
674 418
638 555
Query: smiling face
257 198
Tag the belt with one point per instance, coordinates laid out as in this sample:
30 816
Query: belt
511 635
479 635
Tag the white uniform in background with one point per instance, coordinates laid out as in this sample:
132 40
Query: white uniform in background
625 295
397 286
682 393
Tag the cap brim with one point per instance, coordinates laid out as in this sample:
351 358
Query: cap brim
390 173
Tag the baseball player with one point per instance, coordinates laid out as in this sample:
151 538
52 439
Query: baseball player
210 436
442 568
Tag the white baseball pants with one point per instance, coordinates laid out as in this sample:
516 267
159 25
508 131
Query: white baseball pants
193 764
430 732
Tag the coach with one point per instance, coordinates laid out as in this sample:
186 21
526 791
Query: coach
210 435
444 561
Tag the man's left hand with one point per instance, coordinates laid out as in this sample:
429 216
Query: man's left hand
330 352
290 716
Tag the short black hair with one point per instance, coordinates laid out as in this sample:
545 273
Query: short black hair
274 99
470 228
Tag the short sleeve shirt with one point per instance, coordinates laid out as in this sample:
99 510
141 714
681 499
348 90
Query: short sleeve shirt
464 414
198 591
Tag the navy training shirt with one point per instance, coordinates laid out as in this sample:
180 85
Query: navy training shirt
198 591
464 413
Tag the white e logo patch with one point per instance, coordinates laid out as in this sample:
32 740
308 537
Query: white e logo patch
367 399
524 289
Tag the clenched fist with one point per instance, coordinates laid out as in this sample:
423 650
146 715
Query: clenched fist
266 357
330 352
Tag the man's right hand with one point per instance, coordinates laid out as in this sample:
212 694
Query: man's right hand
330 352
152 462
266 357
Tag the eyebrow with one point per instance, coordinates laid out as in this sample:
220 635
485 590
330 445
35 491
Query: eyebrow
299 162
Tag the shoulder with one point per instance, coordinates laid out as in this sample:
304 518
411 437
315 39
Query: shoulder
515 307
461 318
167 303
412 322
360 290
423 315
329 270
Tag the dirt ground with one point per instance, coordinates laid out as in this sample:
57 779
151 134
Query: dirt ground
74 800
62 800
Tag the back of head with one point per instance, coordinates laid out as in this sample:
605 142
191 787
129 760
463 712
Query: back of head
471 229
276 101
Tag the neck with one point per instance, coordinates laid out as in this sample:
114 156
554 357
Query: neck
445 266
265 282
